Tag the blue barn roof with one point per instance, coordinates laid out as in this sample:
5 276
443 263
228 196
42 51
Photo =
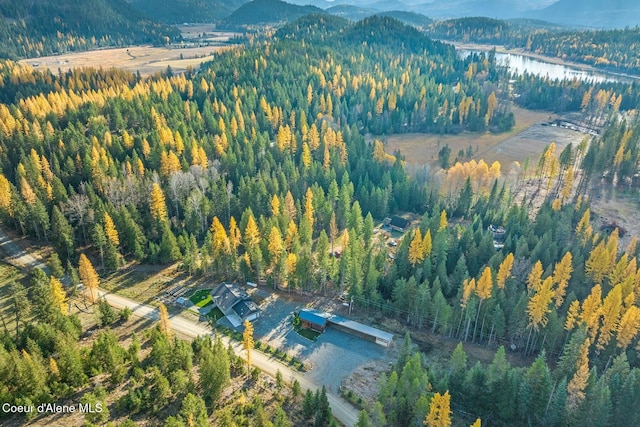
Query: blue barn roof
313 316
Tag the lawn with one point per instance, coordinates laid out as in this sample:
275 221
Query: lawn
201 298
215 314
306 333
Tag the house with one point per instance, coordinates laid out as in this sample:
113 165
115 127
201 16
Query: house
234 303
313 319
399 224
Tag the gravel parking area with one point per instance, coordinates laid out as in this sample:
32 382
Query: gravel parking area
332 357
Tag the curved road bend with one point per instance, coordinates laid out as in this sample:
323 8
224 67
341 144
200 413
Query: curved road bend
340 408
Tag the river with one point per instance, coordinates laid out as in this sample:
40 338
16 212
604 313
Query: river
518 64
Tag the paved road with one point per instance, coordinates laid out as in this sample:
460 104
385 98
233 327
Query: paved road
341 409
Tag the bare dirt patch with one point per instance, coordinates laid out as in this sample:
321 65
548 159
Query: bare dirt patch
145 59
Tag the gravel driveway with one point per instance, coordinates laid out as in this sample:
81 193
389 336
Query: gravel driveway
332 357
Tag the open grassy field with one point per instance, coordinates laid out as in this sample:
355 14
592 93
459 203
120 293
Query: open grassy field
527 139
145 59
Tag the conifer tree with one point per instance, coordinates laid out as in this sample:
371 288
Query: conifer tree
439 411
163 320
89 277
416 252
247 342
504 272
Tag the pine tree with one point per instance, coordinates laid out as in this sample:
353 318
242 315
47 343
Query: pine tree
89 277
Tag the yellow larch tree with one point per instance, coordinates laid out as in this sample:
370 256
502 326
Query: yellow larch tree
599 264
504 271
416 252
235 238
611 312
5 195
308 206
157 203
219 240
427 243
292 232
535 277
275 205
573 315
468 288
477 423
591 311
247 343
276 247
290 206
583 227
538 306
110 230
484 285
561 275
443 220
58 295
578 384
89 277
163 320
251 233
439 411
306 156
628 328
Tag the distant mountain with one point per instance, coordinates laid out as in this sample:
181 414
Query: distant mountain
269 11
353 13
179 11
592 13
42 27
409 18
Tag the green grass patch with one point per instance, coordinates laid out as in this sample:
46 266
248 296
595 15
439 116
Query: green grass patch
215 314
306 333
201 298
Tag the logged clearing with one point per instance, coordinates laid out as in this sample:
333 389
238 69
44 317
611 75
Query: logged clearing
527 139
145 59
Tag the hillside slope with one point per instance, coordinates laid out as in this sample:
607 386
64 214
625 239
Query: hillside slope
179 11
269 11
592 13
44 27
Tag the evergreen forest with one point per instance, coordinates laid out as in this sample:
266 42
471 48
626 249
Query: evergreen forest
258 165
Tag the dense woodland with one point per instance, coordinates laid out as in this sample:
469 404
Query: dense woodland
155 377
39 28
615 50
189 11
262 174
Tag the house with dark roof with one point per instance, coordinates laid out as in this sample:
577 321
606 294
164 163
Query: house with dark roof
234 303
399 224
